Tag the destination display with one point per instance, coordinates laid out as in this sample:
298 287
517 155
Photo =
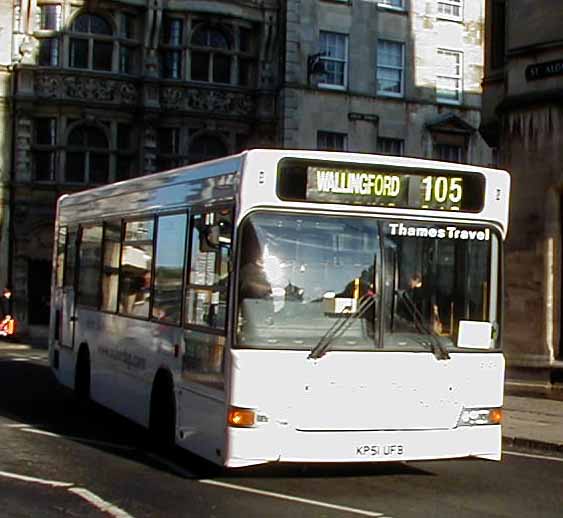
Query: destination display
382 186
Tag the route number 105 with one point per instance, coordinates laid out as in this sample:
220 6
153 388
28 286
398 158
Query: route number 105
440 189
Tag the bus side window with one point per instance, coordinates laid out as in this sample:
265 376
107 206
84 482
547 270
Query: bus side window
136 268
110 265
61 249
169 267
208 278
89 253
70 258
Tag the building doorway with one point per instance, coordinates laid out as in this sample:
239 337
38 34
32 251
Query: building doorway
39 291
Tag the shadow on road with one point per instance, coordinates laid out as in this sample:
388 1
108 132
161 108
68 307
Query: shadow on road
30 395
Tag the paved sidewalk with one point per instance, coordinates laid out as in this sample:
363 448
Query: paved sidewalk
532 421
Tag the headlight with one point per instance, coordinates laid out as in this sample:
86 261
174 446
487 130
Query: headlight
479 416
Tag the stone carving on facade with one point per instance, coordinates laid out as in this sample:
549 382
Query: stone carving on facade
85 89
200 100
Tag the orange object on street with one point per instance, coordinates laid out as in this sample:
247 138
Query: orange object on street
7 327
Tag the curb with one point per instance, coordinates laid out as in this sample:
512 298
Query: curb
521 444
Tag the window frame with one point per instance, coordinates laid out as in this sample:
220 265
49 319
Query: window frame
208 329
451 4
334 135
40 147
173 48
390 141
88 151
124 242
385 4
401 69
212 52
48 35
185 259
345 60
457 77
105 224
91 38
79 292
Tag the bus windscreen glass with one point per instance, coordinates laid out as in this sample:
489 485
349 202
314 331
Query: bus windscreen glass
382 186
302 274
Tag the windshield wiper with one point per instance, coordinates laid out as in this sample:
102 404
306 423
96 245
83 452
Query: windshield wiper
340 326
433 343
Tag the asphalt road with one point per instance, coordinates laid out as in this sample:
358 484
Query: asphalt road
59 458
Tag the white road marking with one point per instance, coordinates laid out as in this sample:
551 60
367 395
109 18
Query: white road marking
14 347
533 456
83 493
24 478
282 496
99 503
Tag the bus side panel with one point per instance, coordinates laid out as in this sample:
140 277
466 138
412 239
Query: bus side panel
125 355
201 424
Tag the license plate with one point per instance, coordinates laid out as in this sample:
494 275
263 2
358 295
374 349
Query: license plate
380 450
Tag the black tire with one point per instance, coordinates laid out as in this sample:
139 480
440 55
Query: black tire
162 420
82 376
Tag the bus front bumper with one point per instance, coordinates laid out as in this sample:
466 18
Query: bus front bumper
251 446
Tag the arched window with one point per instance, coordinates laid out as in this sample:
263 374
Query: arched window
91 43
207 147
211 55
87 155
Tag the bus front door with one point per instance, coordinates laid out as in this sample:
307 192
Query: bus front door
68 302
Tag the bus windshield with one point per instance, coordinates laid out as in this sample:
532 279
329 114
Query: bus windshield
304 278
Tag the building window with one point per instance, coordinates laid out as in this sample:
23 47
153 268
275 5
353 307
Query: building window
331 141
211 58
87 156
128 46
390 146
49 17
44 149
91 43
390 68
395 4
449 152
128 26
449 76
450 9
206 147
48 52
334 57
169 152
48 23
126 152
172 53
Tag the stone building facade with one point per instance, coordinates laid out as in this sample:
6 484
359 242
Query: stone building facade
523 120
108 90
99 91
388 76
